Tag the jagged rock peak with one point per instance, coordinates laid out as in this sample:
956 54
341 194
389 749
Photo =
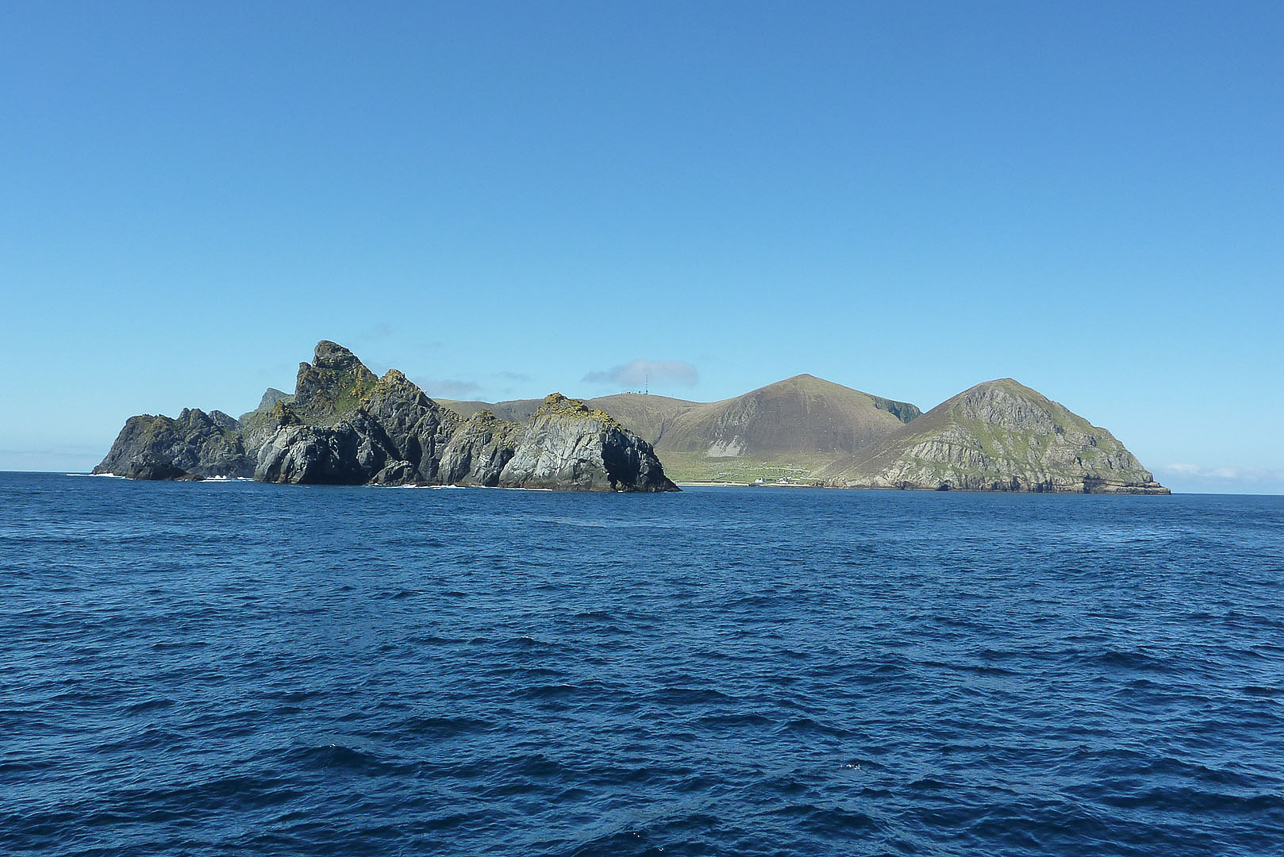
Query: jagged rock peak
345 426
332 355
332 386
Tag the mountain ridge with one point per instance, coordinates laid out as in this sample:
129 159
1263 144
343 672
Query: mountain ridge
1000 436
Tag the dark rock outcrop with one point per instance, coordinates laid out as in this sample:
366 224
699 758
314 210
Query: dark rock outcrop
150 468
158 447
417 428
353 452
345 426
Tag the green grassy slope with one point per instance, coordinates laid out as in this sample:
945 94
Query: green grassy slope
997 434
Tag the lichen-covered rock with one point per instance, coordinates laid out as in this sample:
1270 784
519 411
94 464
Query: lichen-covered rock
331 388
997 436
568 445
160 447
478 451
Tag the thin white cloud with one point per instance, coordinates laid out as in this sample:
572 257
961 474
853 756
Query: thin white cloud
643 371
448 388
1222 473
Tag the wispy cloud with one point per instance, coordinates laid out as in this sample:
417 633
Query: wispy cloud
1226 474
1182 469
448 388
642 371
518 377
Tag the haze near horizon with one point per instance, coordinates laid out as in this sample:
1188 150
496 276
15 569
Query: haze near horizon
505 200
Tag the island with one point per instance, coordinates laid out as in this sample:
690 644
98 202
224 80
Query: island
344 425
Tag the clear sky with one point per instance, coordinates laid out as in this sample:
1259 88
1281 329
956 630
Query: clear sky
506 199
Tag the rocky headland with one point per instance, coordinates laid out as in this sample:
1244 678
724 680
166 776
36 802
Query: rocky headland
996 436
344 425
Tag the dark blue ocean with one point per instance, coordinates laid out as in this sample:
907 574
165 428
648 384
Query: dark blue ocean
235 668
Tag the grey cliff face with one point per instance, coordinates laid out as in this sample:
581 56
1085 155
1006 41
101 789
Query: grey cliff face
353 452
478 451
568 444
345 426
271 396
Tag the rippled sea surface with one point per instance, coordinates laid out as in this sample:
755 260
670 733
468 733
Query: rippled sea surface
190 669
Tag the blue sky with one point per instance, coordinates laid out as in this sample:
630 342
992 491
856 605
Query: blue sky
508 199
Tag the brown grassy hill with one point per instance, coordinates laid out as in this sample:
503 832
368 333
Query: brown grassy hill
784 430
514 411
649 417
787 429
803 414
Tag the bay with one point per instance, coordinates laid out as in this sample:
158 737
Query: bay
230 668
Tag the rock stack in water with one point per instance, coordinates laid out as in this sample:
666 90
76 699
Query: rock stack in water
344 425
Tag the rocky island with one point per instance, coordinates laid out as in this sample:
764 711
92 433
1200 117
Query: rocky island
344 425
